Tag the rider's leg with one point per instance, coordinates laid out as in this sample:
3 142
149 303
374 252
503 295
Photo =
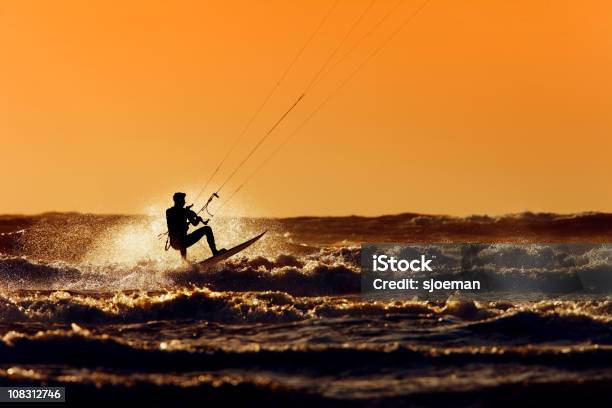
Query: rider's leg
196 235
179 246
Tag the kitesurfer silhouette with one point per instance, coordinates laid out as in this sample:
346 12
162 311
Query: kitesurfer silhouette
178 219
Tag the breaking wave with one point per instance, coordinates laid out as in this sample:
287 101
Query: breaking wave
546 317
329 271
78 346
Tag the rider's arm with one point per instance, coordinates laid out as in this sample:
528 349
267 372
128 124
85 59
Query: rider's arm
199 220
194 219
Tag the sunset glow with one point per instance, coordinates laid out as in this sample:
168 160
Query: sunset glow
475 107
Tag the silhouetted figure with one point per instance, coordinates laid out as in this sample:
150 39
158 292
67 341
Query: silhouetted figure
179 218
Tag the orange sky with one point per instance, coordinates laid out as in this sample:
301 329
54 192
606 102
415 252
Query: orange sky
477 106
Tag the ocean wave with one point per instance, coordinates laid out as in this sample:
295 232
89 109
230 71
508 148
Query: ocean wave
80 347
331 271
70 236
22 272
535 326
253 307
505 385
312 279
156 389
298 276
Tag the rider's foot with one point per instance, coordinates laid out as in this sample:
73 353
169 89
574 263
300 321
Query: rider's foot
219 251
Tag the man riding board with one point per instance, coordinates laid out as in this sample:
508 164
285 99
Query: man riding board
178 219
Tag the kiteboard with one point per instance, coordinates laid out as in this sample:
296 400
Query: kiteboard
213 260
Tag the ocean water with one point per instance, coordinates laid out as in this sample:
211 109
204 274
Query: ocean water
95 304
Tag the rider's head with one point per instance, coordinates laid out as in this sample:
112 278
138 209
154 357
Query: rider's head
179 199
